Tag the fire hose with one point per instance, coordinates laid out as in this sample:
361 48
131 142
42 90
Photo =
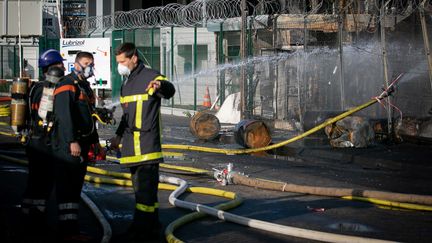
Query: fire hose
228 176
202 209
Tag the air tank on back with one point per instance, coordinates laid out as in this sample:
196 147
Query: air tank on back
19 103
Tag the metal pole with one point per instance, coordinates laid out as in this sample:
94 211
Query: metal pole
19 39
243 56
5 17
250 87
274 70
221 90
384 60
1 64
60 21
91 32
426 41
14 62
341 71
300 93
105 30
172 60
204 10
152 48
195 49
21 61
305 29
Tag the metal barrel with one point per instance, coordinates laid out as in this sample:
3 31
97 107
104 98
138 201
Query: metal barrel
204 126
252 134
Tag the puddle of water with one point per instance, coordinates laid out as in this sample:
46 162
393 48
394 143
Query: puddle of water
13 169
350 227
118 215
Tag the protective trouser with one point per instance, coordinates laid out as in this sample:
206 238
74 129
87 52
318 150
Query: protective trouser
69 182
145 179
40 183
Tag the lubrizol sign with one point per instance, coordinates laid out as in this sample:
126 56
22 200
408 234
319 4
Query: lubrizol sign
100 48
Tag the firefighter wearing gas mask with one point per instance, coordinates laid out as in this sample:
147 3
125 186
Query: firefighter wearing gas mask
41 163
139 130
74 132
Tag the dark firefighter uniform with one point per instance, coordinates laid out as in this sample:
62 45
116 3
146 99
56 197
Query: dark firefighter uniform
40 168
73 106
141 144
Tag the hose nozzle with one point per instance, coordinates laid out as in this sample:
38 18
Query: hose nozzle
390 89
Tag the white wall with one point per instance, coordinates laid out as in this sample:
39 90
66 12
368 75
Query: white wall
31 17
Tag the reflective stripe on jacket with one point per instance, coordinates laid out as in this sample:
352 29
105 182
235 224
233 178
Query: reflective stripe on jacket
140 124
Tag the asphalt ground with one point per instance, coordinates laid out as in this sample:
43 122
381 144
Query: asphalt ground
403 168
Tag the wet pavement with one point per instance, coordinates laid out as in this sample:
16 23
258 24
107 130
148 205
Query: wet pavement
403 168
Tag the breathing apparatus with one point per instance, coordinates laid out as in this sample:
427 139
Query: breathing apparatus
86 72
18 105
45 110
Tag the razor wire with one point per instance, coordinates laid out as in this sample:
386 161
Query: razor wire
201 12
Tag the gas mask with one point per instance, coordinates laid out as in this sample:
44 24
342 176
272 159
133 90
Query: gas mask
123 70
88 71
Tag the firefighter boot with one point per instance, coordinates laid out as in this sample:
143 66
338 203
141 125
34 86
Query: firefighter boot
144 228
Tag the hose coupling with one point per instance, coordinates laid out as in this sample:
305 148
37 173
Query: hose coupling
224 176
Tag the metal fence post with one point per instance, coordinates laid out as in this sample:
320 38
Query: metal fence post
1 62
250 70
172 60
221 90
195 49
21 60
14 61
152 48
341 68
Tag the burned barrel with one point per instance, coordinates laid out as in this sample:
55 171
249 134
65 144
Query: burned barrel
204 126
252 134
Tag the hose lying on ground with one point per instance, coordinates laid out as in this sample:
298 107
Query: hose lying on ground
257 224
236 200
407 201
101 218
237 178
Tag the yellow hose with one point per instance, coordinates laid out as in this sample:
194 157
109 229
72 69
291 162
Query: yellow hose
98 118
390 203
184 168
108 173
169 231
209 191
164 153
173 167
277 145
7 134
